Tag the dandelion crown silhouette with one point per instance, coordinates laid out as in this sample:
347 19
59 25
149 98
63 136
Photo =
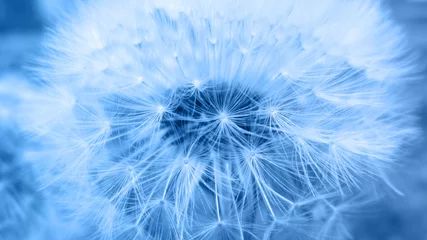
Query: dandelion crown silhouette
217 119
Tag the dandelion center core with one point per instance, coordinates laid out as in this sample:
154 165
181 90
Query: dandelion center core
221 114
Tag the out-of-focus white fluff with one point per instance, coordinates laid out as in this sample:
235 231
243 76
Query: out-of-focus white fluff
217 119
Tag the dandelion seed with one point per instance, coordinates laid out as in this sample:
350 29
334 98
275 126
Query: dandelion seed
197 83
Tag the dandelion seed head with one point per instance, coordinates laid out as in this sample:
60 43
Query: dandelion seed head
224 114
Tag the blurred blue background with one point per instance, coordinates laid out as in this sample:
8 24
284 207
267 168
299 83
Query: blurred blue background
19 15
395 217
25 212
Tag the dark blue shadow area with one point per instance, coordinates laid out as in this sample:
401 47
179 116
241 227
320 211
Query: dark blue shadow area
19 15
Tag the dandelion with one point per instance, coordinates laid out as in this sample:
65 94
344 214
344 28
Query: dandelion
219 120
